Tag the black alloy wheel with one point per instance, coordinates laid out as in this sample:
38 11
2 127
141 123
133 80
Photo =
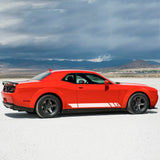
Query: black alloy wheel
48 106
138 103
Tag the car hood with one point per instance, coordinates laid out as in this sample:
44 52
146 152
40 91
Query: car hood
132 84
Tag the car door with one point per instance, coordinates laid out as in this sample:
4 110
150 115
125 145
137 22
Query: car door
92 92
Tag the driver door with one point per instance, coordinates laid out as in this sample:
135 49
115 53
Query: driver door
90 91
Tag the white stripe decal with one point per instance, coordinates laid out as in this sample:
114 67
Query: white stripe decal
117 104
95 105
91 105
74 105
112 105
108 105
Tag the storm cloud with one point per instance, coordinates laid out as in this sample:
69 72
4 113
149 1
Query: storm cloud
80 29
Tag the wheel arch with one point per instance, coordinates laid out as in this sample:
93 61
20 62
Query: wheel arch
130 93
45 91
139 92
50 93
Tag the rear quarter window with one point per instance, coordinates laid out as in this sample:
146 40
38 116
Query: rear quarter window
41 76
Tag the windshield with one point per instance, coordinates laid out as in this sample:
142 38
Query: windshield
41 76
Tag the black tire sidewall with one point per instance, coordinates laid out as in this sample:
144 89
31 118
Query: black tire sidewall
130 109
41 100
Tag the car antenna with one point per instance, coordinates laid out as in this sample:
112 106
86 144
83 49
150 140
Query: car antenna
50 70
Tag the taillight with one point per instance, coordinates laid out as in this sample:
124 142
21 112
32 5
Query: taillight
9 86
10 89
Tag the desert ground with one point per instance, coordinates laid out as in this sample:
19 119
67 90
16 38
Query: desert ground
94 136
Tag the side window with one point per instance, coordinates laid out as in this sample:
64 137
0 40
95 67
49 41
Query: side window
95 79
80 79
69 78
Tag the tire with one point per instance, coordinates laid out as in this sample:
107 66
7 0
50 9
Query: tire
138 103
48 106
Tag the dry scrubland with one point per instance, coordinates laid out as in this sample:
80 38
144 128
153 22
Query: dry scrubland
139 73
108 72
103 136
19 72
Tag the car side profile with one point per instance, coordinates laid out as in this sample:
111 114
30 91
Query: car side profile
52 92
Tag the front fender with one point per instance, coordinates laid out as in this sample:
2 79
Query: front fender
131 92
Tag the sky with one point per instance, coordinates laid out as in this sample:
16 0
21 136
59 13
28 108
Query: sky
77 30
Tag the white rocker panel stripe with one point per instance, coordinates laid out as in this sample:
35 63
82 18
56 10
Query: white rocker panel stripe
95 105
74 105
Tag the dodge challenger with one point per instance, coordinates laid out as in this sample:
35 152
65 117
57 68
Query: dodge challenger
53 92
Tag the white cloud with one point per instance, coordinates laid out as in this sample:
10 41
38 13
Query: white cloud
7 5
60 10
101 58
38 4
7 22
14 40
11 39
74 27
44 39
11 5
91 1
154 60
98 59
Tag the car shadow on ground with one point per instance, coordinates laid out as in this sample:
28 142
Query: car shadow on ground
24 115
109 113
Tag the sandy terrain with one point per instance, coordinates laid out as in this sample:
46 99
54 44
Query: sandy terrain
107 136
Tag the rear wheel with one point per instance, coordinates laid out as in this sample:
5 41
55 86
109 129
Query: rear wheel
138 103
48 106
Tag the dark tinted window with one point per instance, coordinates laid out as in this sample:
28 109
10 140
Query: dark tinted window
41 76
82 78
70 78
95 78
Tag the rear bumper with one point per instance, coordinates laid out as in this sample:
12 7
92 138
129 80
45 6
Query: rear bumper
18 108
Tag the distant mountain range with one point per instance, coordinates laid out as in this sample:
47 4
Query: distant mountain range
55 64
22 68
136 64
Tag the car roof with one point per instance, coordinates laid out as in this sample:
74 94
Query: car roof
72 71
61 73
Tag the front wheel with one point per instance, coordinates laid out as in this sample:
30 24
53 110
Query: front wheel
138 103
48 106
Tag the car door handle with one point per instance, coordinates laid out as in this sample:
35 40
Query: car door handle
80 87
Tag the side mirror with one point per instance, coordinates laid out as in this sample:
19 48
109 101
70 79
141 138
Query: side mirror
106 85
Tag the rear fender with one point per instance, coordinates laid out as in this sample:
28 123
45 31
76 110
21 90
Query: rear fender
49 91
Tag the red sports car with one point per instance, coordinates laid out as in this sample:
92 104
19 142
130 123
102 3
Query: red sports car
52 92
